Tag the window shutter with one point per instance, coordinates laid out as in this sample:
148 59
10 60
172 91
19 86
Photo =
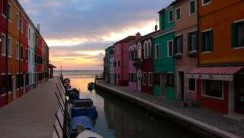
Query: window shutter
202 42
189 42
181 44
234 34
174 46
211 40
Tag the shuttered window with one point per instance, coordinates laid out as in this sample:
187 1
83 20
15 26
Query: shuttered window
238 34
207 41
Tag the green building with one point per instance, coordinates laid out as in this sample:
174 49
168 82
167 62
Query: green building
163 61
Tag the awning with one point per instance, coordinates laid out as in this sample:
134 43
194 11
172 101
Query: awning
215 73
51 66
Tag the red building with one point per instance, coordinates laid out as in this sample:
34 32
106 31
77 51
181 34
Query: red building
147 63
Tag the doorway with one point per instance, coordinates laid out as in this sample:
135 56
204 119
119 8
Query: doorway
239 94
181 85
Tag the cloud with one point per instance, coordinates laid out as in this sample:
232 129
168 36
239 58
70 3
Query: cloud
90 25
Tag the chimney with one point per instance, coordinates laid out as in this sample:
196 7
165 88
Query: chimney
138 35
38 27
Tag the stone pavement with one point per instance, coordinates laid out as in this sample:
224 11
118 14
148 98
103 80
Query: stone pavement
32 115
207 119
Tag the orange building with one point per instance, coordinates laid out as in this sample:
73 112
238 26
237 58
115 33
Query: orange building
221 55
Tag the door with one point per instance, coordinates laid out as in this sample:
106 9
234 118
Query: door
14 87
181 85
239 94
162 84
139 76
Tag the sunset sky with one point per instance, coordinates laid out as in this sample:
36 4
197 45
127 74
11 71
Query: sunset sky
78 31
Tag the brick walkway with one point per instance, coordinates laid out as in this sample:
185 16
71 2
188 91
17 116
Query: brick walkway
31 116
216 121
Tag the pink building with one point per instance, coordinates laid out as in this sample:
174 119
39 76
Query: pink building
133 67
185 48
121 61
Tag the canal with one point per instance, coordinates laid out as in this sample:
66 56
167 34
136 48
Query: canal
118 118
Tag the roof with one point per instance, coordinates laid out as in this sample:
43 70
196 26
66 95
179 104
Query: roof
231 70
126 40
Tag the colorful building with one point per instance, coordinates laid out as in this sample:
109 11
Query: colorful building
107 63
121 58
185 48
147 63
134 65
14 48
219 73
163 61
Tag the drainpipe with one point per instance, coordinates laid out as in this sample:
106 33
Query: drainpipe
20 48
6 52
198 34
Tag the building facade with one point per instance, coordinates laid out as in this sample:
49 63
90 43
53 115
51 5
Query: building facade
185 48
121 58
220 72
14 47
163 62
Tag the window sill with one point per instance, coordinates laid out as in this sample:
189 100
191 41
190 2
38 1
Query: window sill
239 47
190 91
206 52
178 55
212 97
192 53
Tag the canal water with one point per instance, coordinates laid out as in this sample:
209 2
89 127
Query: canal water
118 118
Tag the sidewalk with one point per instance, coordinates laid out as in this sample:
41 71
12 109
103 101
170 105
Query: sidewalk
203 118
31 116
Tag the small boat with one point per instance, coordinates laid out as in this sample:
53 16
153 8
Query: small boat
88 134
82 107
83 122
91 86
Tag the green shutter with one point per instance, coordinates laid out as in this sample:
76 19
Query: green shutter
234 35
211 40
189 42
181 44
202 42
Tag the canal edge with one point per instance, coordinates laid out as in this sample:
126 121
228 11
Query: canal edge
185 119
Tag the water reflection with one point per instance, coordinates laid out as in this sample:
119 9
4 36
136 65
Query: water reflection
120 119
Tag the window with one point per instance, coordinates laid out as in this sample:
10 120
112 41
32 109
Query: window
21 51
178 14
156 79
10 12
157 52
139 50
170 48
192 41
149 51
171 16
169 80
9 47
18 22
212 88
144 78
238 34
178 44
17 51
145 49
3 44
118 63
192 6
207 41
205 2
150 78
192 85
